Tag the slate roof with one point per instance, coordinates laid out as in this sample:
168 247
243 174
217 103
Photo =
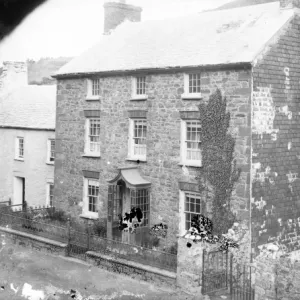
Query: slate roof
219 37
29 106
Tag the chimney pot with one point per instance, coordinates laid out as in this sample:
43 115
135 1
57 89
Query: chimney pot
116 12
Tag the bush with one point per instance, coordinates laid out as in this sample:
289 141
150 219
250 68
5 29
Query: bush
155 241
99 228
173 249
57 215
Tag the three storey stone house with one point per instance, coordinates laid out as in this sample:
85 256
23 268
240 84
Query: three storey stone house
127 119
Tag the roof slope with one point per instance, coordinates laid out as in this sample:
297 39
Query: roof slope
29 107
210 38
240 3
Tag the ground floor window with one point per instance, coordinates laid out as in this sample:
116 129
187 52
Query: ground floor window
91 197
192 207
141 198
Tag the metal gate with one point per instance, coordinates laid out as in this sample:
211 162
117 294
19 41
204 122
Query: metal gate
78 244
215 271
241 281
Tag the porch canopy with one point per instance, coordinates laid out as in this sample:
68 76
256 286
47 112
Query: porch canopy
131 176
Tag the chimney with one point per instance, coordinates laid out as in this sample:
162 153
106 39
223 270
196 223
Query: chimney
13 75
116 12
289 4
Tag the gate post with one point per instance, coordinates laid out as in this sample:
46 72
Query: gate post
231 263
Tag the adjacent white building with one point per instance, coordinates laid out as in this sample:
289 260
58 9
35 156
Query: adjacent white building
27 138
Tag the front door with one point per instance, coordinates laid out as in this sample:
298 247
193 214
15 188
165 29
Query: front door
19 191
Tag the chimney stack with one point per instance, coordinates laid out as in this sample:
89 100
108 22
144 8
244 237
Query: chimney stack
116 12
289 4
14 74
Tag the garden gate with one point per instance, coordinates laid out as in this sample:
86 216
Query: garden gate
220 272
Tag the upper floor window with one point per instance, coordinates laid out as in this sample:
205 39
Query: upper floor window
192 87
139 88
190 142
93 89
92 137
19 154
137 139
51 151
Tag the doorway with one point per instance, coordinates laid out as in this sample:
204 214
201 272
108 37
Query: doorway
19 191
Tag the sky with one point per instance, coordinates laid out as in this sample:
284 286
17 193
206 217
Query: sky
69 27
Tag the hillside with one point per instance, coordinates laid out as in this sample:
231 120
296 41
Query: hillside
39 72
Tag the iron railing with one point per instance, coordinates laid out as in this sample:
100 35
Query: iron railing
81 241
25 224
215 271
241 281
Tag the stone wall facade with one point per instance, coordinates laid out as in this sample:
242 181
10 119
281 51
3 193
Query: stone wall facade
276 144
34 169
162 168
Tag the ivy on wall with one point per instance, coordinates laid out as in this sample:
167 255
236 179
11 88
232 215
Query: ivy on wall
219 169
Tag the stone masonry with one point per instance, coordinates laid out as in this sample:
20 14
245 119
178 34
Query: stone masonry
276 144
162 168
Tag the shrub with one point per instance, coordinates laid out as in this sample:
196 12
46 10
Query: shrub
99 228
155 241
57 215
173 248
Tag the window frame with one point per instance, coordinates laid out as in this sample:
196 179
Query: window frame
131 138
90 85
182 210
135 203
85 207
87 148
48 195
49 161
17 148
187 95
134 88
183 146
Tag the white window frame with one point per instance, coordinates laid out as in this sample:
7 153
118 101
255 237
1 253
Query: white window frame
131 143
85 207
182 211
17 148
90 95
187 94
183 147
48 199
87 148
49 161
134 94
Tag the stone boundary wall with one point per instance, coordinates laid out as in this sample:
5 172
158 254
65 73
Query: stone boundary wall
35 242
132 269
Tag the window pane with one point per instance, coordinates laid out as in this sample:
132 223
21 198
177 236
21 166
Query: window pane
141 85
194 83
95 87
94 135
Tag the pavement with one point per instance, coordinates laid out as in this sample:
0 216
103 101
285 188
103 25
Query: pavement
30 274
33 275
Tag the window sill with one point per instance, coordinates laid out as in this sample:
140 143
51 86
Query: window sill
194 96
92 98
136 159
19 159
139 97
92 155
89 217
50 163
190 164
